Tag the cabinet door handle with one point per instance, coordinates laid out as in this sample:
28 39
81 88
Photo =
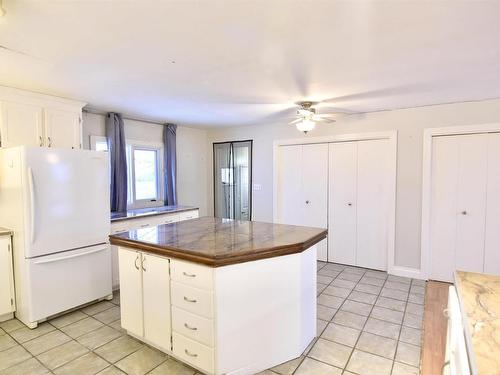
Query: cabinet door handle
190 354
188 274
142 263
50 141
136 259
189 327
41 140
189 300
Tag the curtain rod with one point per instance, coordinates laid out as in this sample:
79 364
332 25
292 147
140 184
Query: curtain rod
103 113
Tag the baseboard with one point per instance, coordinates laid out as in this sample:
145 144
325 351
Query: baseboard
414 273
6 317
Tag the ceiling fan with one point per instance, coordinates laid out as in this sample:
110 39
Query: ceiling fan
307 117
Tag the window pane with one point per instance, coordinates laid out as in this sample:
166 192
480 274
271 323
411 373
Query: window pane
101 146
145 174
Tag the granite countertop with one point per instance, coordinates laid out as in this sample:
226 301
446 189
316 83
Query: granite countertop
479 296
141 212
219 242
5 232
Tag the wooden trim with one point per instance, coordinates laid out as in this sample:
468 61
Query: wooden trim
215 261
429 133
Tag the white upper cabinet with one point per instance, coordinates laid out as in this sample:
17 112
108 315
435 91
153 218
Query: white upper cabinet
29 119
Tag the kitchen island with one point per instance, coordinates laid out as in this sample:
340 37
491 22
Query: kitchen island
224 296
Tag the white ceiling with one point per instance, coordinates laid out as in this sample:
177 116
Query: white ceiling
241 62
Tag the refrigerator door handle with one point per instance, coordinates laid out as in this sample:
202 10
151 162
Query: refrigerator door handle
32 203
70 256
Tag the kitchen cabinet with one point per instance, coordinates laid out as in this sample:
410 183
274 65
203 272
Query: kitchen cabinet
7 296
145 297
38 120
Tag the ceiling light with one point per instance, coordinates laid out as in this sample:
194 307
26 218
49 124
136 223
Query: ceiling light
306 125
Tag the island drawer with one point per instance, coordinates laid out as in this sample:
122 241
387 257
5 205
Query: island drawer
193 326
193 353
192 274
194 300
188 215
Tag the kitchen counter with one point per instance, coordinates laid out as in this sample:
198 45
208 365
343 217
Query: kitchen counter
219 242
150 211
479 298
5 232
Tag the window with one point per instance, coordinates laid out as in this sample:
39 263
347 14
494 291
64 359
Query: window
144 170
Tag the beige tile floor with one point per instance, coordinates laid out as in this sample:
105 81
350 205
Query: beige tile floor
368 324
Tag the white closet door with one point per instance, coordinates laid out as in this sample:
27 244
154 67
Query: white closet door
373 187
443 220
315 190
492 240
342 202
471 201
289 194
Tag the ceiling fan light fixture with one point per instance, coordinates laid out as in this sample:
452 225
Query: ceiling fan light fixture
306 125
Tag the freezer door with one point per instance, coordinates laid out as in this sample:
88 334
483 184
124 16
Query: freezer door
63 281
67 199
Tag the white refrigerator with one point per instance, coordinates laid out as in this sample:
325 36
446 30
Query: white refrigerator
56 201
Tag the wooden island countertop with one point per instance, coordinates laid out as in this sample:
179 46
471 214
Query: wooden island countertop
220 242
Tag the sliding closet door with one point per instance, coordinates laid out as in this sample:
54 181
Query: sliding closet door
458 204
492 240
342 202
373 188
289 185
315 190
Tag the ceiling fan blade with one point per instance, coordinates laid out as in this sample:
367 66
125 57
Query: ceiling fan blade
376 93
326 109
281 115
296 121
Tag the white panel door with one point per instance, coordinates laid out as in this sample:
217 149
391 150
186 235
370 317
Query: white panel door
342 202
315 190
471 202
443 220
6 277
373 187
66 189
131 291
289 185
63 129
156 297
492 240
21 124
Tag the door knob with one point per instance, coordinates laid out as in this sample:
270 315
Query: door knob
464 212
349 204
307 202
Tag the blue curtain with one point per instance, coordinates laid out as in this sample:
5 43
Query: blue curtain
118 158
169 140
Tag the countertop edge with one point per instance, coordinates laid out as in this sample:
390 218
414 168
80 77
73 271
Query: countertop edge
264 253
468 337
148 214
6 232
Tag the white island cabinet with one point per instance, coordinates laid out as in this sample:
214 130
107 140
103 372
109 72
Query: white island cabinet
225 297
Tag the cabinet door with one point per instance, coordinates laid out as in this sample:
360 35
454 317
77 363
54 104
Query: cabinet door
63 129
342 202
492 240
373 188
131 291
315 190
289 192
156 291
6 277
21 124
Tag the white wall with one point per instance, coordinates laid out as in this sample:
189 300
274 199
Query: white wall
192 154
409 123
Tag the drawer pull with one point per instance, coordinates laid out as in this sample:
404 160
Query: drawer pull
189 300
190 354
189 327
188 274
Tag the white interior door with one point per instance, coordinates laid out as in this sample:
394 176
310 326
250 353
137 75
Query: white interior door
131 291
492 240
471 201
68 199
315 191
342 202
372 213
156 296
63 129
289 185
21 125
